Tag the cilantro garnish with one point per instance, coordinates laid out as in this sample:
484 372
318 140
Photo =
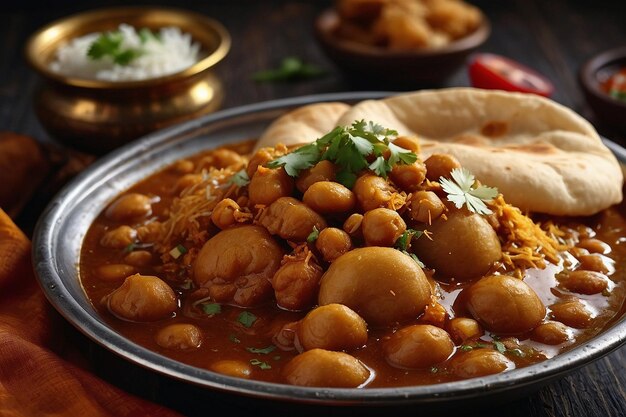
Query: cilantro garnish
246 318
240 178
130 248
404 240
499 346
313 235
349 148
234 338
290 69
263 351
110 44
211 308
260 364
461 191
178 251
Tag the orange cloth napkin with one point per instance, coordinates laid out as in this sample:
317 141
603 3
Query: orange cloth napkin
35 379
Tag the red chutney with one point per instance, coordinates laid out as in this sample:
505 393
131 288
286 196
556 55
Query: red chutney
456 333
615 85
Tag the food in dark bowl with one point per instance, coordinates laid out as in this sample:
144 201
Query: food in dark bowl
372 257
401 44
604 87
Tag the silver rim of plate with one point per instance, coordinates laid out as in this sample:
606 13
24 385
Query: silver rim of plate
62 227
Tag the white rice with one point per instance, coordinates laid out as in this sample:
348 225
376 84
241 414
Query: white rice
173 52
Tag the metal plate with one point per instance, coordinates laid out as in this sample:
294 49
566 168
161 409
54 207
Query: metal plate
62 227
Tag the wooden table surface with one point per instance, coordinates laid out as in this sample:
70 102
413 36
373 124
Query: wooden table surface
553 36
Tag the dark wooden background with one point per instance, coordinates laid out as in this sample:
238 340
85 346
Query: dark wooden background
553 36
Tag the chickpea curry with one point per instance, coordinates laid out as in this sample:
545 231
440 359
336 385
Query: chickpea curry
348 262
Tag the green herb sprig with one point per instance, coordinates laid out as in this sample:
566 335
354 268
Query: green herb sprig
290 69
462 190
349 148
110 44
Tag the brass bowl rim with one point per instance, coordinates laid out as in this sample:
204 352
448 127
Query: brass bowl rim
34 58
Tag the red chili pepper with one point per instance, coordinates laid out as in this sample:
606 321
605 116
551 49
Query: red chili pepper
499 73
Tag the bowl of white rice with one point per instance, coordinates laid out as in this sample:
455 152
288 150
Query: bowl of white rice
113 75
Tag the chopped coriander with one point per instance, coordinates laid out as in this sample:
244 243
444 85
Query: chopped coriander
246 318
290 69
461 191
186 285
404 240
263 351
131 247
466 348
178 251
240 178
313 235
110 44
516 352
260 364
349 148
233 338
211 308
499 346
146 35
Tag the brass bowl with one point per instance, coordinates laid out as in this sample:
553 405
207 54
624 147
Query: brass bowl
97 116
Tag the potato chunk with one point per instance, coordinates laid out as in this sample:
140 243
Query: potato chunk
323 368
142 298
236 265
383 285
332 327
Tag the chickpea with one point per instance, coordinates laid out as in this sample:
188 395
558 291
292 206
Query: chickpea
149 232
236 265
584 282
327 197
594 262
324 368
291 219
418 346
179 336
408 177
426 207
322 171
296 284
119 238
267 185
332 243
352 225
332 327
463 328
223 215
186 181
143 298
114 272
504 304
382 227
372 192
183 166
234 368
383 285
138 258
260 158
129 207
595 246
408 142
223 158
440 165
551 333
572 313
463 246
480 362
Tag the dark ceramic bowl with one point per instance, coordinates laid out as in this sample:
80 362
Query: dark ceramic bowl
592 74
379 67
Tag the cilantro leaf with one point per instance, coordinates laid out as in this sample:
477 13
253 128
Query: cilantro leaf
379 166
294 162
110 44
260 364
399 154
346 178
404 240
262 351
313 235
246 318
240 178
290 69
461 191
211 308
499 346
